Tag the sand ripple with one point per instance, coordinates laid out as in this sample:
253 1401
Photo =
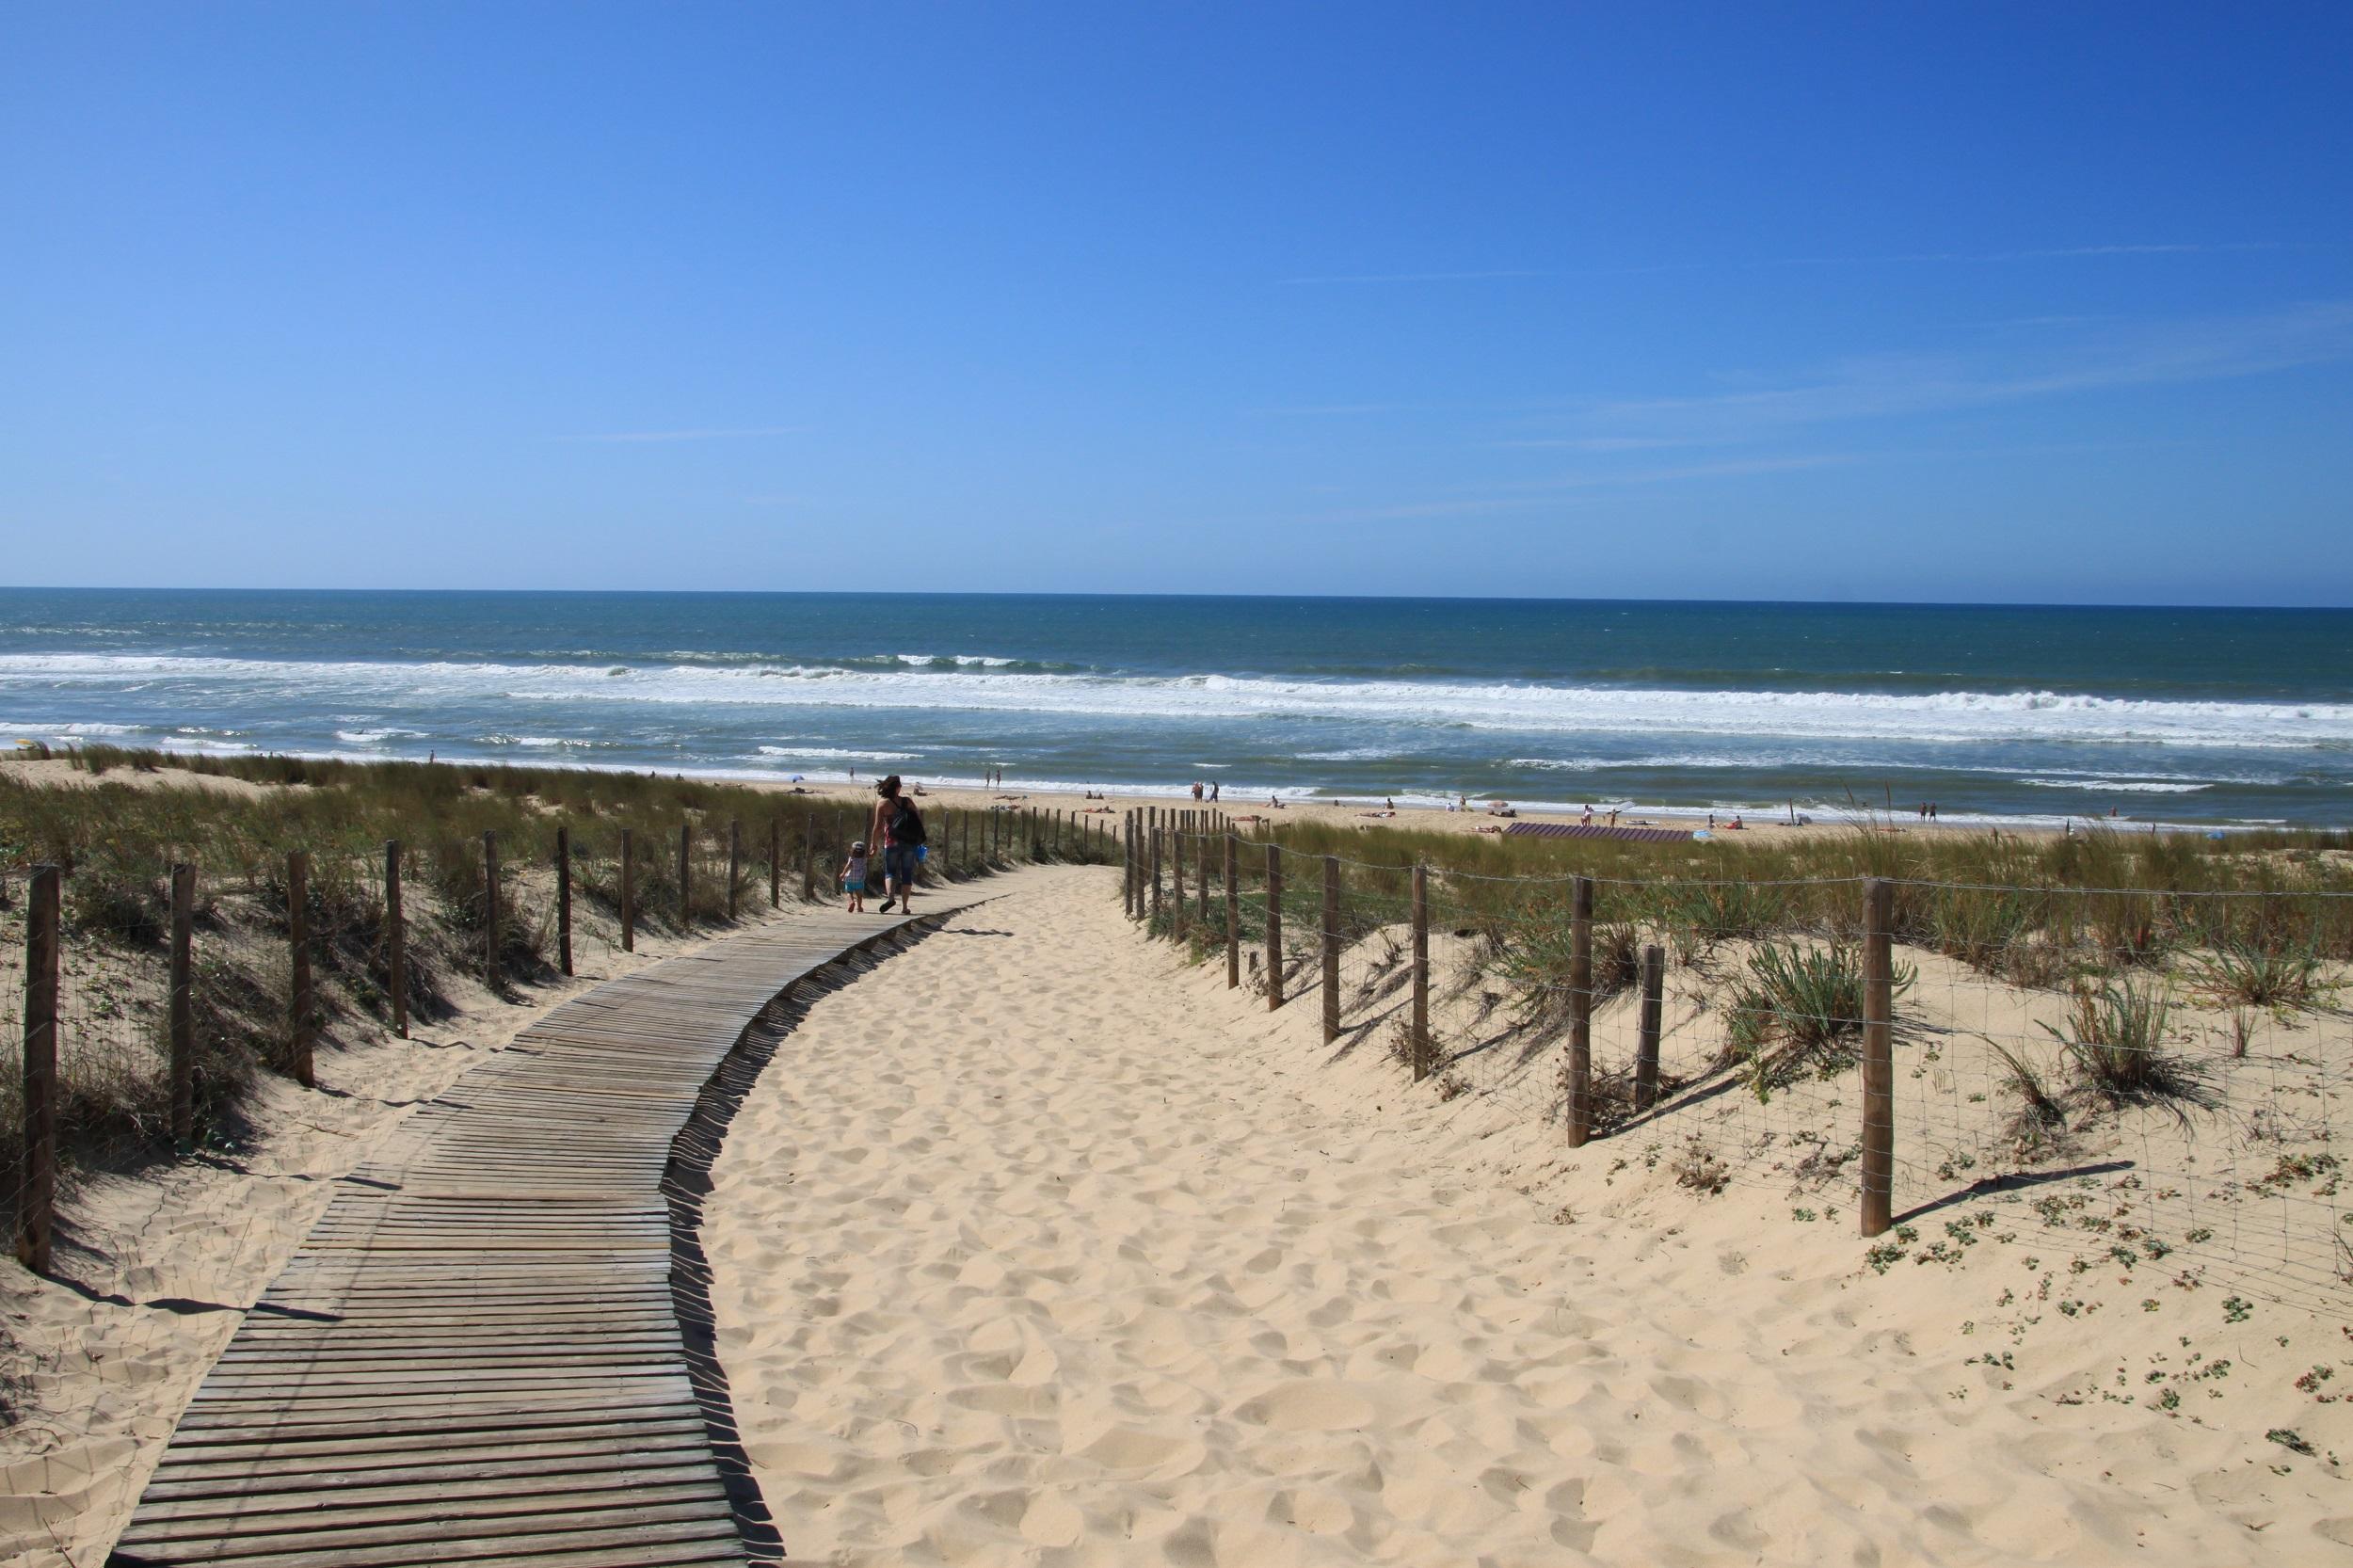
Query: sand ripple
1023 1257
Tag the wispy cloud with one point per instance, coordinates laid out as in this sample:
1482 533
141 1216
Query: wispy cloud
635 435
1318 410
1561 489
1591 443
1421 277
2208 349
2039 253
1895 258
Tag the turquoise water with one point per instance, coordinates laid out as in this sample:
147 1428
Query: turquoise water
2202 715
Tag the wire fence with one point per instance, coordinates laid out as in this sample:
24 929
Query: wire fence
2146 1081
176 990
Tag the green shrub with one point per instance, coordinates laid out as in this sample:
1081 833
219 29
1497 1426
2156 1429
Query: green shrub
2243 974
2116 1038
1796 1008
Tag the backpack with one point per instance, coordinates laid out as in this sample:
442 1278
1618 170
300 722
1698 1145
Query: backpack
907 823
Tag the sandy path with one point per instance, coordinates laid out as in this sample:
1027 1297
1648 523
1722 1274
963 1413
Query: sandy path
1027 1254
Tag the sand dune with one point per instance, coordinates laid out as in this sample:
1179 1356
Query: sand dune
1035 1247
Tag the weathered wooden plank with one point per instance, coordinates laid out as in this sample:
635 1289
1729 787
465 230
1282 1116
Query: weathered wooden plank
429 1540
475 1356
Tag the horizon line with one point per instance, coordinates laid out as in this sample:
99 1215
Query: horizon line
1079 593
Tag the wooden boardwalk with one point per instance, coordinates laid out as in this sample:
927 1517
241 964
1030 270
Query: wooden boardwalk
494 1347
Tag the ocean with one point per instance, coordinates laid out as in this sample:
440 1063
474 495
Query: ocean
2022 714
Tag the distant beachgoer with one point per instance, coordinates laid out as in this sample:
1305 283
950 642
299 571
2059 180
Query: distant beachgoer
853 878
899 827
1391 802
1931 810
1213 788
1711 819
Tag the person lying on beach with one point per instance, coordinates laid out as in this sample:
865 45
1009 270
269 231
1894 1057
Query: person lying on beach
853 878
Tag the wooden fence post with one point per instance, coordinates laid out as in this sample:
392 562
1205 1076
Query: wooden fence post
1576 1072
1273 925
1879 1055
181 1010
1233 916
299 1000
1646 1041
1202 876
491 910
1330 948
395 939
1159 847
808 859
1422 1053
735 862
1176 914
686 872
564 897
37 1204
776 862
628 895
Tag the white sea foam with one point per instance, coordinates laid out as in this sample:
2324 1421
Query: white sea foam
80 731
1946 717
840 753
2118 786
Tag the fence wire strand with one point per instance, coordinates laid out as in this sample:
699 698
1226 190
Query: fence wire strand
2134 1077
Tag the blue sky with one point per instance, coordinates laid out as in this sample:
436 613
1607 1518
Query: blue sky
1958 302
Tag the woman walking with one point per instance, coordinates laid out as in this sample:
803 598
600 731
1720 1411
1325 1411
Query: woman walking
899 829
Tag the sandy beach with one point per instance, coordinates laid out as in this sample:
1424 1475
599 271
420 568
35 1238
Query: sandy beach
1038 1245
1370 814
156 1268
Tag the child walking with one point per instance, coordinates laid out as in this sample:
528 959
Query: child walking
853 878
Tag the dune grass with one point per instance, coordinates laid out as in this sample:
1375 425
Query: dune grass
117 843
2031 911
